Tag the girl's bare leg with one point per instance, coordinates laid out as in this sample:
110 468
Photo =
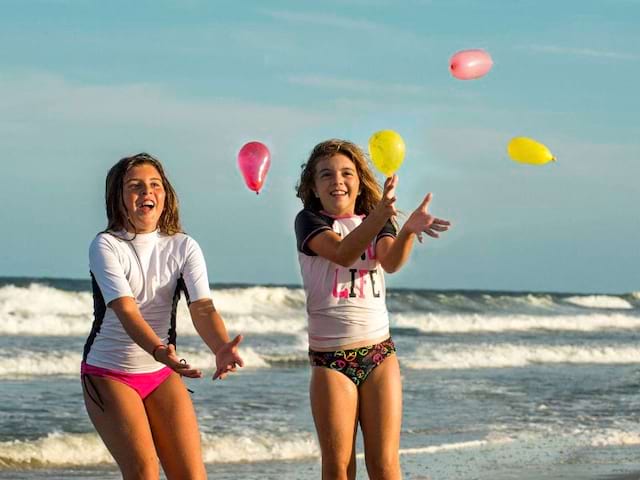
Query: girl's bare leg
334 404
381 420
123 427
175 430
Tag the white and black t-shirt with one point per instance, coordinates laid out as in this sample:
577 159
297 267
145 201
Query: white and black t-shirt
152 268
344 304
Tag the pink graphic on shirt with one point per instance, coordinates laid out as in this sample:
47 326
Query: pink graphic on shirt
344 293
371 251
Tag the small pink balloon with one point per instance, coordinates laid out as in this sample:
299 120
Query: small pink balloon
254 161
470 64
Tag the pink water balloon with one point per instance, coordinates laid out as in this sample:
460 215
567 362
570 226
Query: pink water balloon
254 161
470 64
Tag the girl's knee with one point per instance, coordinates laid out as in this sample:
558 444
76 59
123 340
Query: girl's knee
383 468
146 470
336 470
198 473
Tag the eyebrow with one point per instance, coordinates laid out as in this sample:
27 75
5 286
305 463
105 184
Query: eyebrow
140 179
339 169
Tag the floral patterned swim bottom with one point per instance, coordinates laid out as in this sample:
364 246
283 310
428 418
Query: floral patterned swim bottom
356 363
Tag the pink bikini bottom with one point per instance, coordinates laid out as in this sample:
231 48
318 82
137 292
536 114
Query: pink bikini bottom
143 383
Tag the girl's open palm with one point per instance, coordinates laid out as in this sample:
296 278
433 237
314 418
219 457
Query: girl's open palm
421 221
228 358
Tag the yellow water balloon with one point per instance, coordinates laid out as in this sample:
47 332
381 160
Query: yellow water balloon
386 149
527 150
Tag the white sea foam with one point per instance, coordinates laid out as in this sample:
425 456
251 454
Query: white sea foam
454 446
463 356
56 449
39 309
74 450
481 323
615 438
258 447
251 300
67 363
426 357
599 301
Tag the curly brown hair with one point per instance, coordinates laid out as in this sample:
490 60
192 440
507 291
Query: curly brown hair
117 218
371 192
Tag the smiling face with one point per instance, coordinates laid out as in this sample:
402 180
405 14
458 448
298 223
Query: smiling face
143 196
337 184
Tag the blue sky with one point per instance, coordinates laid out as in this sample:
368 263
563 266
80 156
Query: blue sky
84 83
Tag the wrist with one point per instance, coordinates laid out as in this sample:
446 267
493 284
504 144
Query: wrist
406 233
155 350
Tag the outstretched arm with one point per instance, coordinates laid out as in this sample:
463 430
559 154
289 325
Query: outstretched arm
345 251
127 311
394 253
211 328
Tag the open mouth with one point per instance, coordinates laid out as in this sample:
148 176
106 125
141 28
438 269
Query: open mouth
147 206
338 193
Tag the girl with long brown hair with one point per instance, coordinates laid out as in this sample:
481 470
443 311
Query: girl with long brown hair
346 237
130 369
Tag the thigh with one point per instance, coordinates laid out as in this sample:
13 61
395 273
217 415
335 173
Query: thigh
334 405
123 426
175 430
381 410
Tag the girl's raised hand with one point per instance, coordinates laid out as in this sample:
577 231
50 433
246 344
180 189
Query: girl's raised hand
386 206
168 356
228 358
421 221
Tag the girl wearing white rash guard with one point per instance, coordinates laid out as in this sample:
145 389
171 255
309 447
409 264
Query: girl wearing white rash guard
346 238
130 370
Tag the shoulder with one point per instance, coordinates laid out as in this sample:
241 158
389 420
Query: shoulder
186 240
308 224
185 244
306 216
104 241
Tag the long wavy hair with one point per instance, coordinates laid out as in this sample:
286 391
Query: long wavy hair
117 218
370 190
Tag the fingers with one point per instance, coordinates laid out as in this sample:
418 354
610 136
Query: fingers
394 180
184 369
441 221
221 373
239 361
389 185
424 205
236 341
190 373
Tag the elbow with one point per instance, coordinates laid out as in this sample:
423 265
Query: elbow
344 259
344 262
390 268
388 264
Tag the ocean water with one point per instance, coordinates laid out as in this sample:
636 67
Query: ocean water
496 385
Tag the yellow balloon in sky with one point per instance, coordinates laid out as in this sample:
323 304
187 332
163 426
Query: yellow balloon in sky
526 150
386 149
